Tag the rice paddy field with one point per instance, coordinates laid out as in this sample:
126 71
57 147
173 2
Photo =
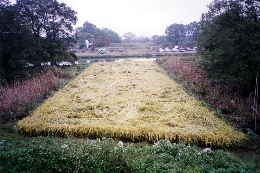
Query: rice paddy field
131 101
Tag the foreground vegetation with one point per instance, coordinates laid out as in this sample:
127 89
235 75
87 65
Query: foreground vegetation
133 101
49 154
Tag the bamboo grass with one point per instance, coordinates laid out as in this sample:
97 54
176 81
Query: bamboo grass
132 101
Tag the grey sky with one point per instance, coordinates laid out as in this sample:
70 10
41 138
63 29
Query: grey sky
141 17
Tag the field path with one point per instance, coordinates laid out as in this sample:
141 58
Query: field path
129 100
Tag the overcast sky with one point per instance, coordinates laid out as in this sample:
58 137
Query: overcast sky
141 17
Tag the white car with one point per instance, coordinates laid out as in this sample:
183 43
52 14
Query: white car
167 49
160 50
101 51
175 50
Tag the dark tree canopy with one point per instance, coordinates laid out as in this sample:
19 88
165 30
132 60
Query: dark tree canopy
229 41
33 31
179 34
47 18
111 35
175 33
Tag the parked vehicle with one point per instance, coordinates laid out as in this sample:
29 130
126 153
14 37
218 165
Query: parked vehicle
188 49
182 49
194 49
101 51
160 50
167 49
175 50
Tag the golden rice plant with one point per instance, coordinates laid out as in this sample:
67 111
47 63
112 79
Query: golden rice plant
131 101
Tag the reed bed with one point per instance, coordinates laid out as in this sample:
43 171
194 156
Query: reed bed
131 101
16 99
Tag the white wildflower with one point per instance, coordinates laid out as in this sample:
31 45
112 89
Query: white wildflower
206 150
64 146
120 144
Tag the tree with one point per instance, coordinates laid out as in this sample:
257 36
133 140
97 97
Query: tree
175 34
191 33
111 35
90 32
51 20
229 41
14 39
47 18
128 36
155 38
179 34
101 42
33 32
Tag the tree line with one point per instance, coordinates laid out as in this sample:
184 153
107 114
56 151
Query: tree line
99 37
178 35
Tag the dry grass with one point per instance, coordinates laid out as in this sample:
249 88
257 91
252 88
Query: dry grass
133 101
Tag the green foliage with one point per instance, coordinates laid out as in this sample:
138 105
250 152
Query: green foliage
175 33
230 45
91 33
45 154
29 35
160 40
44 17
179 34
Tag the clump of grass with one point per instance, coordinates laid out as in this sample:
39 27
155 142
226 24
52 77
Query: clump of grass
143 104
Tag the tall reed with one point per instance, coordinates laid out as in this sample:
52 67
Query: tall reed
17 99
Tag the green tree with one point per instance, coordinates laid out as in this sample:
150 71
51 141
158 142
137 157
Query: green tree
101 42
111 35
175 34
91 33
191 33
128 36
155 38
229 41
179 34
51 20
47 18
14 39
33 33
